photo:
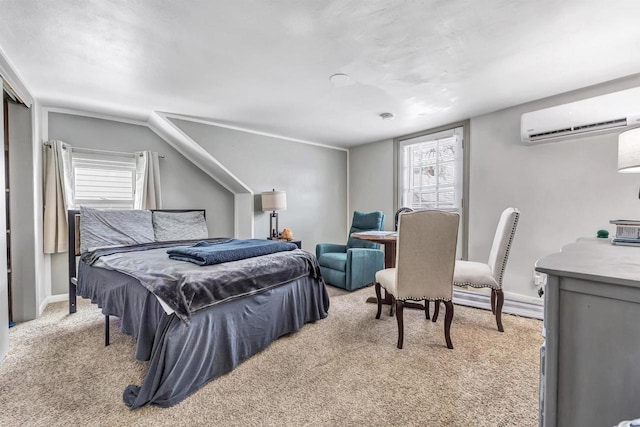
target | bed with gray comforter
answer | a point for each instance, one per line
(220, 314)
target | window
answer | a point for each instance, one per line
(431, 173)
(103, 180)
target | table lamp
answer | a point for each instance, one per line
(629, 151)
(274, 201)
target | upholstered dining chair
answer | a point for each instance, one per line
(354, 265)
(426, 253)
(490, 275)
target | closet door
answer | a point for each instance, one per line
(5, 106)
(4, 291)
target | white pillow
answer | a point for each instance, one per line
(179, 226)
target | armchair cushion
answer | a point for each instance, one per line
(334, 260)
(474, 274)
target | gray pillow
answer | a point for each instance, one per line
(179, 225)
(99, 228)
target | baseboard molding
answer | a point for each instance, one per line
(51, 299)
(512, 304)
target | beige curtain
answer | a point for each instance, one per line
(147, 195)
(57, 195)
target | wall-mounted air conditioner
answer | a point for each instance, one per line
(607, 113)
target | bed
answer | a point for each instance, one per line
(188, 348)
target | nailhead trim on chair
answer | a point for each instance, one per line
(418, 299)
(475, 285)
(506, 254)
(425, 298)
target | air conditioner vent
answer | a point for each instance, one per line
(550, 134)
(592, 127)
(603, 125)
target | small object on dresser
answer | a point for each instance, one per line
(287, 234)
(627, 232)
(602, 234)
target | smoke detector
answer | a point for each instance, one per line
(340, 80)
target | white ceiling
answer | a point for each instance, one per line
(265, 64)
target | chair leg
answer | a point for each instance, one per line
(448, 318)
(392, 305)
(426, 309)
(436, 311)
(493, 301)
(499, 303)
(379, 299)
(399, 318)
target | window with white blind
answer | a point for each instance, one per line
(103, 180)
(431, 173)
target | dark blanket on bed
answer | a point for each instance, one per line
(186, 287)
(210, 253)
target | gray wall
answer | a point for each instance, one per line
(371, 186)
(183, 184)
(564, 190)
(22, 236)
(314, 177)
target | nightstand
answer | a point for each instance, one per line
(298, 243)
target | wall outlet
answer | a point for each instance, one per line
(539, 279)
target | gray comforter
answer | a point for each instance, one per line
(187, 288)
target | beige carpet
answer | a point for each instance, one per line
(343, 370)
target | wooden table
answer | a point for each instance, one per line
(388, 239)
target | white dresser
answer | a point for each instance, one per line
(590, 362)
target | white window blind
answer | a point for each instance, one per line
(103, 180)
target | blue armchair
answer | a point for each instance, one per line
(354, 265)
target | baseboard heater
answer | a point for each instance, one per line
(511, 306)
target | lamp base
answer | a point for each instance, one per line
(274, 230)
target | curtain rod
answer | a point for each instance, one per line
(107, 152)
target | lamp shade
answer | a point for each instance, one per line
(274, 201)
(629, 151)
